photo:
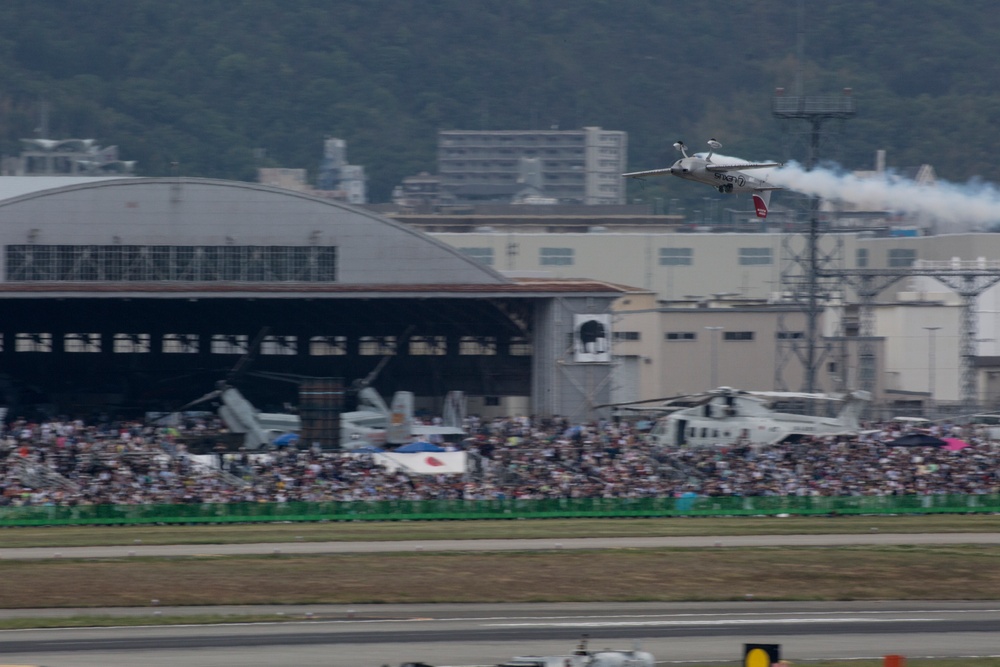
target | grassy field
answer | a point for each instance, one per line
(855, 573)
(431, 530)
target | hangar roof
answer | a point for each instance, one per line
(142, 236)
(18, 186)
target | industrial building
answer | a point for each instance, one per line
(545, 166)
(927, 343)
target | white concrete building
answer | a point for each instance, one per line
(687, 274)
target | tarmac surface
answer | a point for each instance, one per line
(490, 634)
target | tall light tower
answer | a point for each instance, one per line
(816, 111)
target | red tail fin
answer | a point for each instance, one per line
(760, 204)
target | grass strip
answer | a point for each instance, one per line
(963, 572)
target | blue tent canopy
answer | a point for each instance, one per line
(419, 447)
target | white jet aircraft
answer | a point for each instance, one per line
(727, 178)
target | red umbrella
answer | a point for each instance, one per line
(954, 444)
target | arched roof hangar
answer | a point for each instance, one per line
(140, 291)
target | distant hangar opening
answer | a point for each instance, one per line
(133, 295)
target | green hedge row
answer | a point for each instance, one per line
(430, 510)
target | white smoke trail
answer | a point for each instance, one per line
(974, 205)
(959, 207)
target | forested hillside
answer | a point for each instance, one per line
(204, 83)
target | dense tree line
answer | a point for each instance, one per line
(206, 84)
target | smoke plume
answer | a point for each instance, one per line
(954, 207)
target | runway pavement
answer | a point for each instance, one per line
(167, 550)
(489, 634)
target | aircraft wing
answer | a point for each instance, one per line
(740, 167)
(794, 394)
(650, 172)
(437, 430)
(665, 409)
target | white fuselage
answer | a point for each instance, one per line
(694, 169)
(726, 420)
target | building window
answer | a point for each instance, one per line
(125, 343)
(755, 256)
(861, 258)
(680, 335)
(328, 346)
(428, 346)
(82, 342)
(280, 345)
(626, 335)
(230, 344)
(737, 335)
(676, 256)
(477, 345)
(902, 257)
(790, 335)
(372, 346)
(33, 342)
(180, 343)
(156, 263)
(482, 255)
(556, 256)
(520, 347)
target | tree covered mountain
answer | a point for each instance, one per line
(206, 84)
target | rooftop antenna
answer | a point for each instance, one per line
(800, 49)
(43, 120)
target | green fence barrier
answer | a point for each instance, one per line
(437, 510)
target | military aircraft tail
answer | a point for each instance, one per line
(854, 403)
(400, 427)
(454, 409)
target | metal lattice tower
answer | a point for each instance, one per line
(968, 279)
(805, 288)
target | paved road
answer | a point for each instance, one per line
(873, 538)
(488, 634)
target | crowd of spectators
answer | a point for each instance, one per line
(73, 463)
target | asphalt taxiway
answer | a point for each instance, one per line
(489, 634)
